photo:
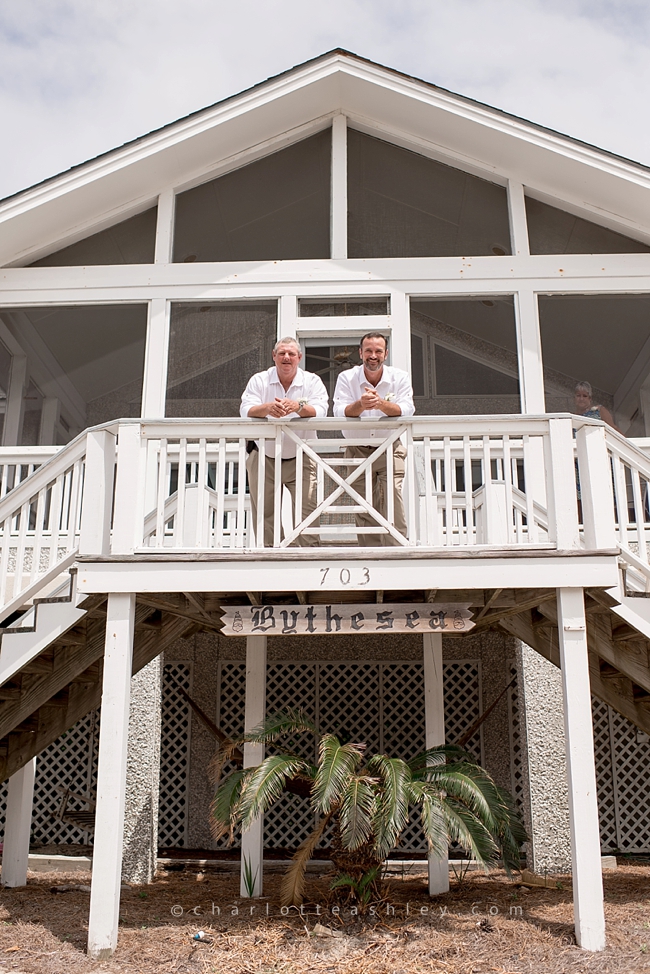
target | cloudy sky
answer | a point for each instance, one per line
(78, 77)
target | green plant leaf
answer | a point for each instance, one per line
(280, 724)
(358, 807)
(392, 806)
(336, 763)
(265, 785)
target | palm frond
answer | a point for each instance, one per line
(434, 824)
(280, 724)
(439, 755)
(469, 832)
(336, 762)
(393, 807)
(356, 811)
(225, 804)
(265, 784)
(293, 883)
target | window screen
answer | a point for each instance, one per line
(401, 204)
(90, 359)
(130, 242)
(213, 351)
(464, 356)
(553, 231)
(603, 340)
(277, 208)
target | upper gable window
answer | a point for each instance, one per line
(401, 204)
(277, 208)
(553, 231)
(130, 242)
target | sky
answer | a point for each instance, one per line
(79, 77)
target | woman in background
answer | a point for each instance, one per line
(584, 406)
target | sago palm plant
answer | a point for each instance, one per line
(368, 801)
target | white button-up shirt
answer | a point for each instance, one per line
(394, 383)
(266, 386)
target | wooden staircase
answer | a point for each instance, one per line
(619, 652)
(52, 682)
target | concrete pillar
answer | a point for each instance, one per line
(434, 733)
(111, 777)
(143, 775)
(18, 825)
(546, 812)
(587, 874)
(252, 842)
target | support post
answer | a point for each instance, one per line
(154, 387)
(252, 840)
(581, 771)
(596, 487)
(49, 419)
(529, 352)
(95, 535)
(15, 405)
(111, 776)
(518, 221)
(18, 825)
(562, 499)
(339, 194)
(165, 227)
(434, 734)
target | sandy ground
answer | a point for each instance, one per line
(484, 924)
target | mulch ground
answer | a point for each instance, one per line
(484, 924)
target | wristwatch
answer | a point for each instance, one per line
(301, 404)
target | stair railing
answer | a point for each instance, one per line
(40, 518)
(630, 481)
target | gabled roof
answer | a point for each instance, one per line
(425, 117)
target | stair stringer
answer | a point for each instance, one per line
(50, 619)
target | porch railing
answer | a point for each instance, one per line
(469, 481)
(551, 481)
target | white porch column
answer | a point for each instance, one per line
(111, 776)
(339, 193)
(18, 825)
(434, 734)
(252, 841)
(581, 771)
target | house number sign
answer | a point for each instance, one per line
(319, 620)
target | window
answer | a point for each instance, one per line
(130, 242)
(277, 208)
(401, 204)
(86, 363)
(213, 351)
(554, 231)
(464, 356)
(603, 340)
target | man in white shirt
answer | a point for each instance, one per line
(284, 392)
(375, 390)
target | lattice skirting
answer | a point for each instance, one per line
(622, 774)
(174, 757)
(71, 762)
(379, 703)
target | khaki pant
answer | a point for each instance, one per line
(380, 493)
(288, 480)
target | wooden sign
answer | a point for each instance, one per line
(321, 620)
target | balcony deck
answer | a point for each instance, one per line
(163, 506)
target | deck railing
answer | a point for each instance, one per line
(551, 481)
(469, 481)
